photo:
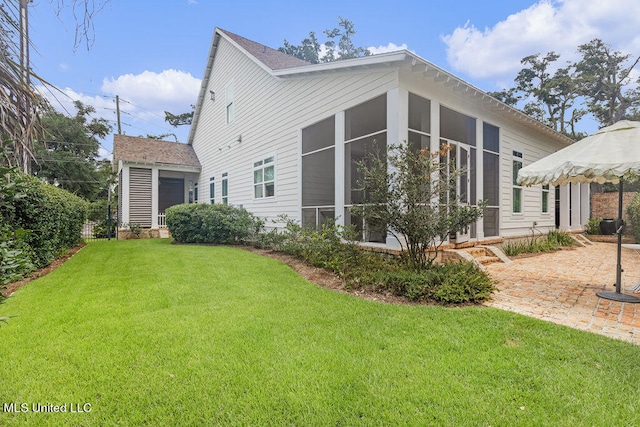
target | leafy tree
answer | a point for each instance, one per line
(600, 83)
(605, 81)
(508, 96)
(68, 155)
(553, 95)
(346, 49)
(339, 45)
(308, 50)
(176, 120)
(412, 194)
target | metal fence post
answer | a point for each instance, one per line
(109, 222)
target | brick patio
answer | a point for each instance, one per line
(561, 287)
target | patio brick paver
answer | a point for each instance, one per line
(561, 287)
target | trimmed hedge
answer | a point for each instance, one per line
(54, 218)
(202, 223)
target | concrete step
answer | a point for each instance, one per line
(488, 259)
(582, 239)
(476, 252)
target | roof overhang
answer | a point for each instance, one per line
(215, 41)
(402, 59)
(161, 166)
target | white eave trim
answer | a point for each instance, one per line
(364, 61)
(162, 166)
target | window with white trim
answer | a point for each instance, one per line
(225, 188)
(517, 189)
(212, 190)
(229, 103)
(545, 198)
(264, 178)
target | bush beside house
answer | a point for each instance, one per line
(38, 224)
(203, 223)
(332, 248)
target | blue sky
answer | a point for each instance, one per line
(153, 53)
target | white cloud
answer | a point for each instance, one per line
(558, 26)
(144, 98)
(170, 90)
(62, 100)
(391, 47)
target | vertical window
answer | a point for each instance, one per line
(491, 179)
(190, 192)
(419, 122)
(318, 173)
(545, 199)
(229, 103)
(517, 189)
(365, 134)
(212, 190)
(225, 189)
(264, 178)
(195, 192)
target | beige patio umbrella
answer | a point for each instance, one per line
(610, 154)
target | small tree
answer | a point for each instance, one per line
(411, 192)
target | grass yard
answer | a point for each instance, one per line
(149, 333)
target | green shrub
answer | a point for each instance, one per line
(98, 214)
(15, 258)
(332, 247)
(134, 228)
(202, 223)
(524, 246)
(553, 241)
(54, 216)
(462, 283)
(633, 213)
(593, 226)
(560, 238)
(454, 283)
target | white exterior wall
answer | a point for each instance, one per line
(269, 114)
(156, 172)
(513, 136)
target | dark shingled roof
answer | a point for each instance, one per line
(146, 150)
(272, 58)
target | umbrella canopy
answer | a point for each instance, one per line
(606, 156)
(610, 154)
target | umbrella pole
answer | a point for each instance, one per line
(619, 228)
(618, 295)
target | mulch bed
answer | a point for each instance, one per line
(12, 287)
(327, 279)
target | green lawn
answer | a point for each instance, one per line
(149, 333)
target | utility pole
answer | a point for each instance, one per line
(118, 114)
(23, 148)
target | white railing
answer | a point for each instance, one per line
(162, 221)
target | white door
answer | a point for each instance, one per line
(463, 162)
(458, 156)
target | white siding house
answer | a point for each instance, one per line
(277, 135)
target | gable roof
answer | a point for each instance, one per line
(273, 59)
(153, 151)
(273, 62)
